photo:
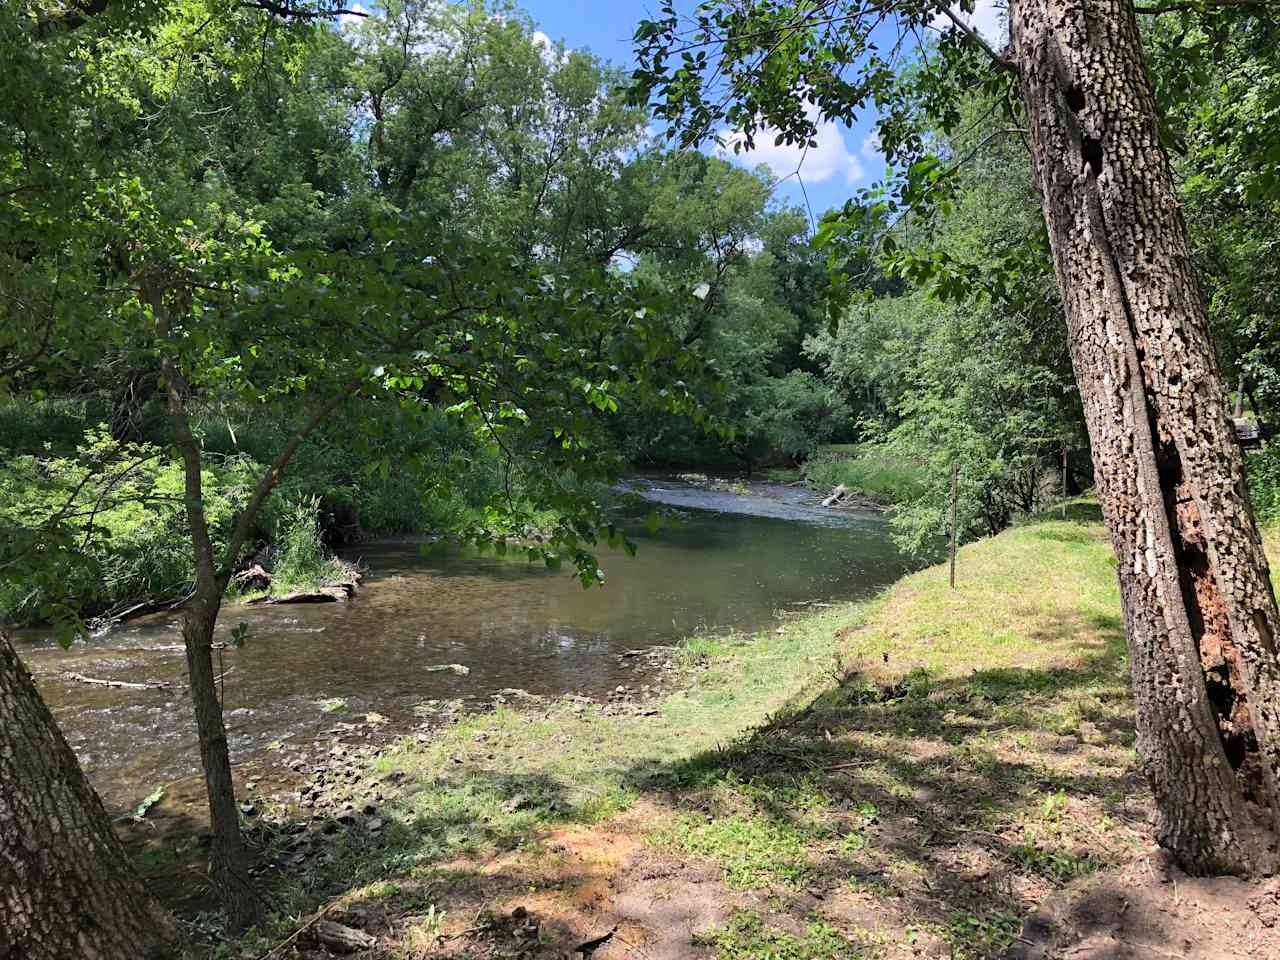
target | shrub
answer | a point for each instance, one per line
(300, 556)
(1264, 482)
(871, 471)
(125, 538)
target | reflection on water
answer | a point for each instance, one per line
(728, 562)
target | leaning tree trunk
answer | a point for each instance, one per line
(1200, 613)
(67, 889)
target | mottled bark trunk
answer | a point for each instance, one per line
(67, 889)
(1200, 613)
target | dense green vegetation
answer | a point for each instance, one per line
(278, 277)
(931, 367)
(133, 524)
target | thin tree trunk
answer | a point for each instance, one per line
(67, 888)
(1200, 613)
(955, 491)
(229, 859)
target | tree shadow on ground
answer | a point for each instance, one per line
(940, 810)
(919, 814)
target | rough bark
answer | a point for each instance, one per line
(67, 889)
(1200, 613)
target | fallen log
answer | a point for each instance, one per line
(122, 684)
(340, 938)
(327, 594)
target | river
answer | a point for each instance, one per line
(726, 561)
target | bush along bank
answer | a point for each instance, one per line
(915, 775)
(122, 499)
(136, 552)
(860, 474)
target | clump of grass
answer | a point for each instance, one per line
(980, 935)
(867, 470)
(301, 561)
(748, 936)
(755, 851)
(301, 557)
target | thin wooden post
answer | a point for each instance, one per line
(955, 489)
(1240, 399)
(1064, 481)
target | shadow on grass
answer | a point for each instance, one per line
(928, 810)
(952, 806)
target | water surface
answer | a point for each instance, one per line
(726, 562)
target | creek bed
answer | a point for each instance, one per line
(729, 561)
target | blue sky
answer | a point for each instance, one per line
(845, 159)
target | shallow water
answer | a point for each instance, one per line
(727, 561)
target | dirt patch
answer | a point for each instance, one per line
(1150, 910)
(580, 885)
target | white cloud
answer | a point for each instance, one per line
(549, 50)
(831, 157)
(989, 18)
(870, 148)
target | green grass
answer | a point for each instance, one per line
(918, 772)
(748, 936)
(865, 469)
(782, 474)
(576, 764)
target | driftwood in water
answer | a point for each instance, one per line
(318, 595)
(100, 626)
(122, 684)
(837, 495)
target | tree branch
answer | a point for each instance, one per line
(273, 474)
(1194, 6)
(287, 11)
(269, 479)
(1001, 62)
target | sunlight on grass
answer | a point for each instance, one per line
(934, 762)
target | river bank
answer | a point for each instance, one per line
(915, 775)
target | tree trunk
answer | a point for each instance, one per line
(228, 858)
(67, 889)
(1200, 614)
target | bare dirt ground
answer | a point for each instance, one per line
(1150, 909)
(602, 892)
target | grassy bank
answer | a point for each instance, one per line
(866, 470)
(914, 773)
